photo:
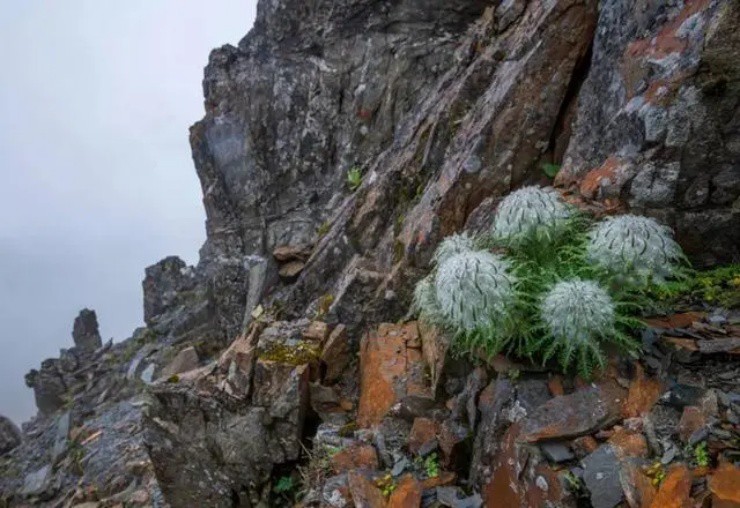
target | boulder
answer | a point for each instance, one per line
(185, 360)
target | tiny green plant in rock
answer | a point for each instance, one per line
(431, 465)
(354, 178)
(551, 170)
(548, 283)
(701, 454)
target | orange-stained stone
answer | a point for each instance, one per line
(382, 366)
(628, 444)
(358, 456)
(639, 490)
(555, 384)
(606, 174)
(680, 320)
(407, 494)
(444, 478)
(584, 445)
(364, 492)
(508, 487)
(675, 490)
(644, 392)
(423, 431)
(725, 486)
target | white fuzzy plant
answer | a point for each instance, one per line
(474, 289)
(530, 214)
(578, 316)
(636, 249)
(452, 245)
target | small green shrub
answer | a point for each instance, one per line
(354, 178)
(558, 287)
(551, 170)
(431, 465)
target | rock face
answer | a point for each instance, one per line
(656, 125)
(10, 435)
(85, 332)
(209, 445)
(428, 163)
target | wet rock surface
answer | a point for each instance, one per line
(341, 142)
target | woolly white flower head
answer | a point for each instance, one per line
(577, 312)
(634, 246)
(474, 289)
(529, 213)
(453, 244)
(425, 299)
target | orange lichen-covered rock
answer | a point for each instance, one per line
(644, 392)
(391, 371)
(725, 486)
(675, 490)
(407, 494)
(358, 456)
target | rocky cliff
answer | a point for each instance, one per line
(342, 140)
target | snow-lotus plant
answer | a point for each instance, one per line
(454, 244)
(474, 290)
(577, 316)
(530, 214)
(636, 249)
(549, 291)
(425, 301)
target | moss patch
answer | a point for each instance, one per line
(301, 353)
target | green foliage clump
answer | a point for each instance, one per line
(719, 286)
(354, 178)
(559, 286)
(431, 465)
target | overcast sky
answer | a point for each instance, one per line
(96, 98)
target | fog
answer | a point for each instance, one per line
(97, 180)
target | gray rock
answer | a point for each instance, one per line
(453, 497)
(556, 452)
(85, 331)
(37, 481)
(60, 440)
(48, 385)
(185, 360)
(209, 448)
(10, 435)
(601, 477)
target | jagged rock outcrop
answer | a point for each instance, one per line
(10, 435)
(85, 331)
(212, 440)
(310, 93)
